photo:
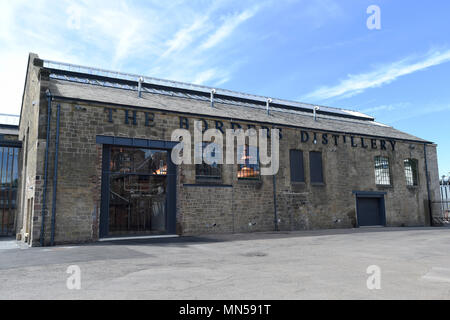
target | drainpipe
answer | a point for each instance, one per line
(275, 202)
(428, 184)
(55, 178)
(44, 191)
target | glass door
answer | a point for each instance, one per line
(137, 191)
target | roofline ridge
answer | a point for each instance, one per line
(68, 67)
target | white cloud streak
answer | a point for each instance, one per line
(227, 28)
(356, 84)
(181, 41)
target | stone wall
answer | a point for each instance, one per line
(31, 163)
(236, 205)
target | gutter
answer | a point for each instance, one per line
(44, 192)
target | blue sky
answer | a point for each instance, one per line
(317, 51)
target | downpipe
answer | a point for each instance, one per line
(428, 184)
(275, 202)
(55, 178)
(44, 192)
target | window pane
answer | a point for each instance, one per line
(10, 165)
(250, 168)
(205, 170)
(15, 168)
(297, 171)
(382, 173)
(135, 160)
(5, 165)
(315, 167)
(411, 172)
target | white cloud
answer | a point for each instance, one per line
(356, 84)
(185, 36)
(206, 76)
(386, 107)
(172, 40)
(229, 25)
(418, 112)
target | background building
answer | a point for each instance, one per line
(9, 154)
(96, 162)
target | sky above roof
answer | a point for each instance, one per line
(319, 51)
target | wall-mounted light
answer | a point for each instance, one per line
(140, 81)
(213, 92)
(268, 102)
(316, 108)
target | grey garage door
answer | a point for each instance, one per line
(369, 212)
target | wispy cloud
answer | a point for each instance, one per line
(228, 26)
(356, 84)
(185, 36)
(418, 112)
(386, 107)
(176, 40)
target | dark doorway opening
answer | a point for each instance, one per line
(370, 209)
(138, 192)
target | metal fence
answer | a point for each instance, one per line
(441, 209)
(445, 192)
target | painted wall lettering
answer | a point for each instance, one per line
(219, 126)
(110, 114)
(133, 117)
(184, 123)
(373, 143)
(336, 139)
(149, 119)
(363, 145)
(304, 136)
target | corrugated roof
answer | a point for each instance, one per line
(89, 75)
(252, 113)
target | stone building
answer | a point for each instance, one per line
(96, 162)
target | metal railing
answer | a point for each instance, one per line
(441, 209)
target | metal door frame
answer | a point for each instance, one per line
(371, 194)
(108, 142)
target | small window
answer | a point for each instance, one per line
(315, 167)
(382, 172)
(411, 172)
(205, 171)
(250, 168)
(297, 171)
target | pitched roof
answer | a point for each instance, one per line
(113, 88)
(256, 113)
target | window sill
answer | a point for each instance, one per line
(298, 183)
(208, 180)
(208, 185)
(318, 184)
(254, 180)
(384, 186)
(412, 187)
